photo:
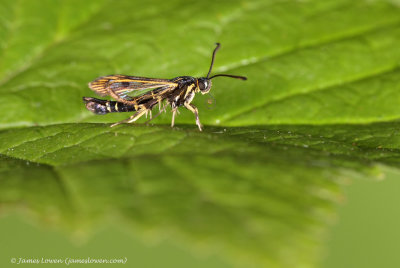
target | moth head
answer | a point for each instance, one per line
(204, 85)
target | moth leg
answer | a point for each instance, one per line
(133, 118)
(148, 112)
(194, 110)
(173, 116)
(151, 118)
(137, 115)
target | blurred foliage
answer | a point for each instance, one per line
(261, 182)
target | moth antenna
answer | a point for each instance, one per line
(212, 59)
(229, 75)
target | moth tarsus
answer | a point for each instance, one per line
(141, 94)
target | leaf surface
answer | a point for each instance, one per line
(261, 183)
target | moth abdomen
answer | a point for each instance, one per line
(98, 106)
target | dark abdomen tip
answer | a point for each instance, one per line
(95, 105)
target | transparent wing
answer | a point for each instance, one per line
(128, 87)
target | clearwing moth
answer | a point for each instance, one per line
(141, 94)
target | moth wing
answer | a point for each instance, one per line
(122, 87)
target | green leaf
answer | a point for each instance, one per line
(277, 184)
(261, 183)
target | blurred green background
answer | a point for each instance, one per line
(296, 167)
(365, 236)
